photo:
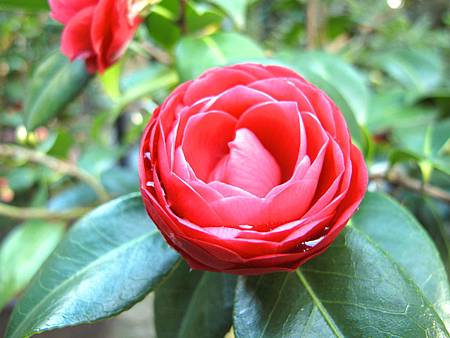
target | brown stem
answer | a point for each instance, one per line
(312, 23)
(157, 53)
(10, 150)
(182, 18)
(40, 213)
(397, 178)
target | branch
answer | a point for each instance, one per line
(55, 164)
(312, 23)
(158, 54)
(182, 19)
(39, 213)
(397, 178)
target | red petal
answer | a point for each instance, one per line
(248, 166)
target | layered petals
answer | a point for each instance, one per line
(97, 31)
(249, 169)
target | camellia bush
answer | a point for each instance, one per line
(266, 168)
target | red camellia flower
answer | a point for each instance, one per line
(96, 30)
(250, 169)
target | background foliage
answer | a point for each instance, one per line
(68, 143)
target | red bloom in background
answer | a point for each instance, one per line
(250, 169)
(95, 30)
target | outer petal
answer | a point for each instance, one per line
(65, 10)
(75, 42)
(112, 30)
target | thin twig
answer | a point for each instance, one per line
(158, 54)
(9, 150)
(182, 23)
(14, 212)
(397, 178)
(312, 23)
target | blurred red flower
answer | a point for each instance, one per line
(97, 31)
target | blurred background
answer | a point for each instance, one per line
(68, 141)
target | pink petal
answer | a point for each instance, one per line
(237, 100)
(206, 139)
(284, 90)
(248, 166)
(214, 82)
(282, 138)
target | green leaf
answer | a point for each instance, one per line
(141, 83)
(145, 81)
(427, 145)
(80, 195)
(389, 111)
(96, 159)
(194, 304)
(21, 179)
(194, 55)
(58, 143)
(108, 261)
(110, 81)
(162, 22)
(382, 277)
(426, 268)
(236, 9)
(55, 84)
(29, 5)
(23, 252)
(419, 71)
(120, 181)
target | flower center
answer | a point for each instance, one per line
(248, 165)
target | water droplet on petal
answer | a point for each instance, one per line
(150, 184)
(291, 83)
(246, 227)
(313, 243)
(147, 155)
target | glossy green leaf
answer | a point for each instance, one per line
(29, 5)
(23, 252)
(382, 277)
(54, 85)
(194, 55)
(108, 261)
(426, 268)
(194, 304)
(341, 81)
(236, 9)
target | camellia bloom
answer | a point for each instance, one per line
(96, 30)
(250, 169)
